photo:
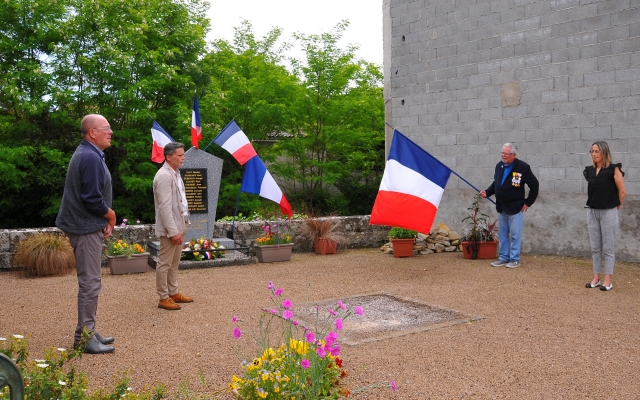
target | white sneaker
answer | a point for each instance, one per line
(513, 264)
(499, 263)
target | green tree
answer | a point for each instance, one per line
(338, 124)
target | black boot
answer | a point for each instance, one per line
(103, 339)
(95, 347)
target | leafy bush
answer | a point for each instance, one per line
(402, 233)
(54, 378)
(45, 254)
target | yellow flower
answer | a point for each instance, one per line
(298, 346)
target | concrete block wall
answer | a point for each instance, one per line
(577, 64)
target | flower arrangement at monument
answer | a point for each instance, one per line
(124, 247)
(202, 249)
(305, 365)
(275, 233)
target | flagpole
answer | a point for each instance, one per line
(441, 163)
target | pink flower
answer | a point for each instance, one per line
(341, 305)
(124, 221)
(270, 285)
(278, 292)
(294, 323)
(335, 350)
(138, 221)
(321, 352)
(330, 338)
(287, 314)
(305, 364)
(266, 228)
(123, 224)
(358, 310)
(339, 324)
(332, 312)
(235, 319)
(237, 333)
(274, 311)
(310, 337)
(286, 303)
(393, 385)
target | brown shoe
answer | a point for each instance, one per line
(168, 304)
(180, 298)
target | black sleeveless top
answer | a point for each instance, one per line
(602, 192)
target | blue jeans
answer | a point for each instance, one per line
(510, 236)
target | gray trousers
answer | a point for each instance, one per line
(88, 252)
(602, 230)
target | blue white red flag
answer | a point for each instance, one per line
(257, 179)
(196, 127)
(412, 186)
(233, 140)
(160, 139)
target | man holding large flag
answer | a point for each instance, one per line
(257, 179)
(412, 187)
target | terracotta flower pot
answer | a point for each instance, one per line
(486, 250)
(124, 265)
(403, 247)
(275, 252)
(325, 246)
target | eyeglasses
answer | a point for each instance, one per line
(506, 154)
(107, 128)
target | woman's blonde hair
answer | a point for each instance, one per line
(606, 153)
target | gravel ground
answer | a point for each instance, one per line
(543, 335)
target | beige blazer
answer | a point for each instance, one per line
(166, 196)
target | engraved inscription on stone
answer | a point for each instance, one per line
(195, 186)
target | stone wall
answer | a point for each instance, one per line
(355, 229)
(462, 77)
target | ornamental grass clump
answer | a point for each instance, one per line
(45, 254)
(302, 363)
(124, 247)
(56, 376)
(315, 227)
(275, 232)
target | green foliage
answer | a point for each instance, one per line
(56, 376)
(402, 233)
(138, 60)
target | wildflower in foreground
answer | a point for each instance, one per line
(305, 364)
(286, 303)
(237, 333)
(393, 385)
(287, 314)
(358, 310)
(310, 337)
(339, 324)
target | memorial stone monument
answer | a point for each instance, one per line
(201, 173)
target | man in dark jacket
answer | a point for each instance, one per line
(509, 179)
(86, 217)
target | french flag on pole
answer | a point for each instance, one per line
(257, 179)
(196, 127)
(233, 140)
(411, 189)
(160, 139)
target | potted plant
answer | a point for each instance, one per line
(479, 241)
(124, 256)
(45, 254)
(322, 233)
(275, 244)
(402, 240)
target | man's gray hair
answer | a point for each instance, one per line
(514, 149)
(171, 148)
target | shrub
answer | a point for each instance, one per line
(45, 254)
(402, 233)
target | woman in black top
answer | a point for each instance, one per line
(606, 194)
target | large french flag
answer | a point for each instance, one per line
(196, 127)
(160, 139)
(233, 140)
(411, 189)
(257, 179)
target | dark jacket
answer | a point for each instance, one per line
(87, 193)
(510, 195)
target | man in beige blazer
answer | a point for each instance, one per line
(172, 217)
